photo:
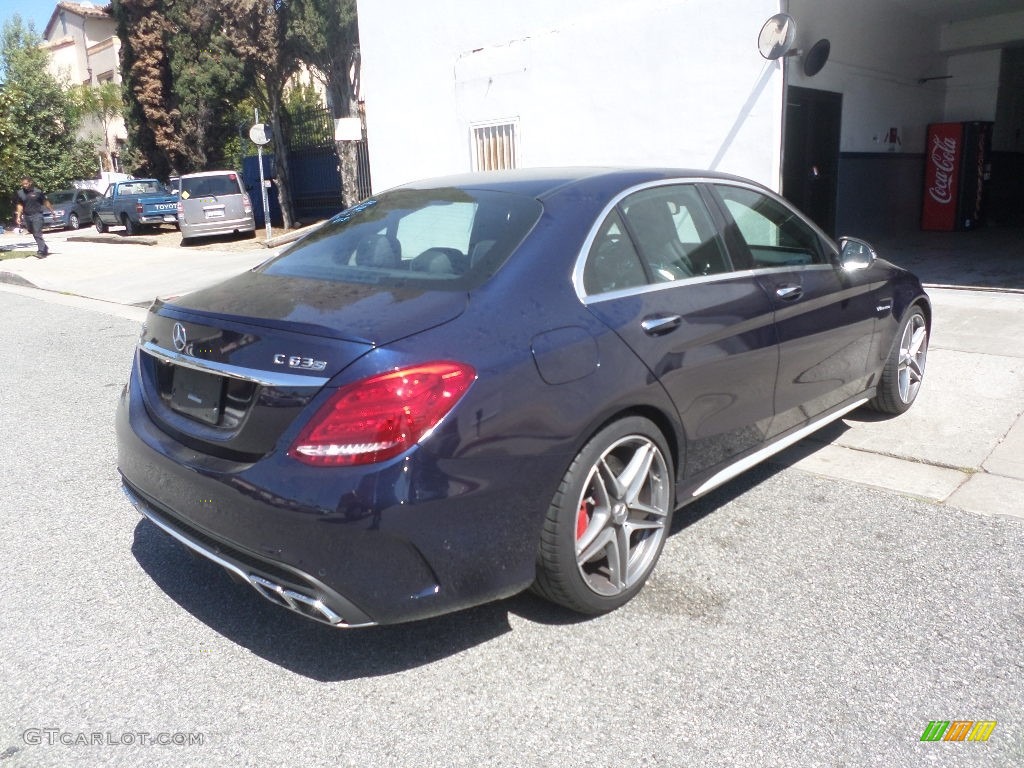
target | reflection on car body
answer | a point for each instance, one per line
(524, 375)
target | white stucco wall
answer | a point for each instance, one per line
(651, 82)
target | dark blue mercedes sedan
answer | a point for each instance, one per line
(468, 386)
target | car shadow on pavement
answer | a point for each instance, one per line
(297, 644)
(319, 652)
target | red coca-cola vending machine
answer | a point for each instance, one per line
(956, 168)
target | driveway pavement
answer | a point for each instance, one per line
(962, 443)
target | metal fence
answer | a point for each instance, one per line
(313, 160)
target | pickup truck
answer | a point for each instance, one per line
(135, 203)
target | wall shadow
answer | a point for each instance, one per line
(988, 257)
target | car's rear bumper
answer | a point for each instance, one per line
(399, 541)
(216, 227)
(288, 587)
(159, 218)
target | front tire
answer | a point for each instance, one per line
(98, 223)
(904, 370)
(73, 222)
(608, 520)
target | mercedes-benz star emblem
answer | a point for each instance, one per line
(179, 337)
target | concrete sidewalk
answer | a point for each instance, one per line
(961, 444)
(120, 269)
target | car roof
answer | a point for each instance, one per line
(545, 182)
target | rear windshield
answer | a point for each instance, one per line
(447, 239)
(141, 188)
(210, 186)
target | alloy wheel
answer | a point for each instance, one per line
(913, 354)
(622, 514)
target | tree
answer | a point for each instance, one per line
(104, 103)
(208, 78)
(327, 39)
(38, 118)
(260, 34)
(143, 29)
(182, 77)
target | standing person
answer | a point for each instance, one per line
(29, 213)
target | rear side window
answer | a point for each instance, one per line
(613, 263)
(210, 186)
(446, 239)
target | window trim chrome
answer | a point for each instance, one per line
(262, 378)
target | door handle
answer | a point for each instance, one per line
(789, 291)
(656, 325)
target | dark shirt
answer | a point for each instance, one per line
(32, 200)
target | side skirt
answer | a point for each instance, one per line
(741, 466)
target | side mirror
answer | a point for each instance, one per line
(855, 253)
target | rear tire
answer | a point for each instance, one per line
(904, 370)
(130, 227)
(608, 520)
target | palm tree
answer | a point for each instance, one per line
(105, 104)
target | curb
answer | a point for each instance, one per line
(16, 279)
(295, 234)
(113, 239)
(977, 288)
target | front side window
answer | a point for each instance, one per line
(447, 239)
(775, 235)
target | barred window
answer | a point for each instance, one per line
(495, 146)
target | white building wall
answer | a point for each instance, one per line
(652, 82)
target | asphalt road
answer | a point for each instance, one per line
(793, 621)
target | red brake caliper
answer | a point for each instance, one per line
(582, 520)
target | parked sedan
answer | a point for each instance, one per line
(465, 387)
(70, 208)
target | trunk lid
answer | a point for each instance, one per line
(227, 369)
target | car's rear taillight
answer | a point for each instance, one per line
(138, 208)
(381, 416)
(246, 203)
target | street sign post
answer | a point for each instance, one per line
(260, 134)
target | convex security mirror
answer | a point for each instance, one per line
(855, 253)
(776, 38)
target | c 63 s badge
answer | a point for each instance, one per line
(301, 363)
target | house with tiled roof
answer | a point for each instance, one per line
(84, 49)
